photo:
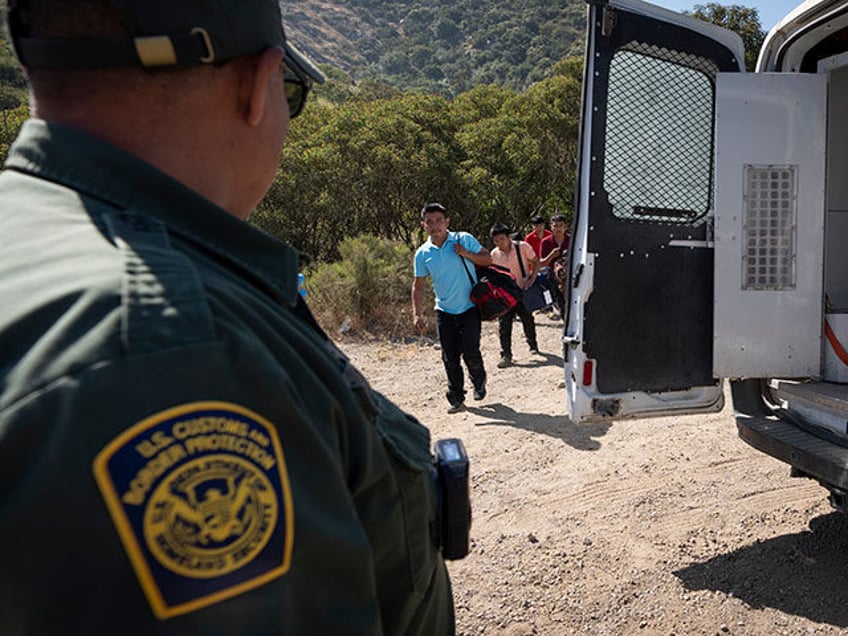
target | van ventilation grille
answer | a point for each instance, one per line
(771, 214)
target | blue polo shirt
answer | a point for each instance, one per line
(447, 271)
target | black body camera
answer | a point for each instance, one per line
(454, 522)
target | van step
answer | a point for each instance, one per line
(828, 395)
(807, 452)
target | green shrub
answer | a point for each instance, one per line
(367, 292)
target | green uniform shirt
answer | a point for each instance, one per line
(181, 450)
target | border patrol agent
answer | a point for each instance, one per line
(182, 450)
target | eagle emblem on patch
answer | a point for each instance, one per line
(201, 499)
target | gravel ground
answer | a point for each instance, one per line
(670, 526)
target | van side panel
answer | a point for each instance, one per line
(770, 180)
(836, 265)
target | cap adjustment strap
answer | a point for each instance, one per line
(158, 50)
(210, 55)
(155, 50)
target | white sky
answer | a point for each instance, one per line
(770, 11)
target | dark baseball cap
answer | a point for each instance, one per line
(166, 34)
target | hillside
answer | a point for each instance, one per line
(445, 46)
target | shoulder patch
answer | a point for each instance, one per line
(201, 499)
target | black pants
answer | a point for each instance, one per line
(556, 292)
(459, 335)
(505, 329)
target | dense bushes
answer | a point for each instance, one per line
(367, 291)
(366, 166)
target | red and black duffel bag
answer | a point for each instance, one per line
(496, 291)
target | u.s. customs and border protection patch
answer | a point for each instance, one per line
(201, 499)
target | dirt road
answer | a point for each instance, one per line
(671, 526)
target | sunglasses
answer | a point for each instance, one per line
(297, 89)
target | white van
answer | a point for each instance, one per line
(710, 238)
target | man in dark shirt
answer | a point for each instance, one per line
(554, 251)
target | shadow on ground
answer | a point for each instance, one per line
(540, 359)
(557, 426)
(804, 574)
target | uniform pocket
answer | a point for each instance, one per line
(407, 443)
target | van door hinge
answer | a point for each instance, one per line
(609, 21)
(577, 275)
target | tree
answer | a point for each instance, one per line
(520, 148)
(742, 20)
(12, 122)
(367, 166)
(362, 167)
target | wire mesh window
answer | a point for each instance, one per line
(771, 213)
(659, 135)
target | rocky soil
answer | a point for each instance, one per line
(671, 526)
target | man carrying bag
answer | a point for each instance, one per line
(457, 318)
(507, 254)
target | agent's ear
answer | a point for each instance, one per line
(259, 83)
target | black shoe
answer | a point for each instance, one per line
(456, 408)
(505, 361)
(479, 393)
(455, 401)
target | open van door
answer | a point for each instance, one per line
(639, 326)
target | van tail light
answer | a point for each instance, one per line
(588, 368)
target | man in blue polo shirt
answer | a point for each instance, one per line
(448, 258)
